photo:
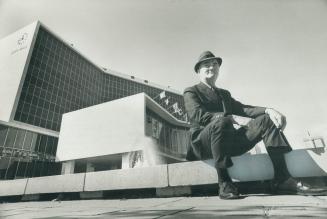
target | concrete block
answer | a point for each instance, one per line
(173, 191)
(249, 167)
(56, 184)
(307, 163)
(12, 187)
(91, 195)
(135, 178)
(191, 173)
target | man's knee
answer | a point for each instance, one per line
(265, 121)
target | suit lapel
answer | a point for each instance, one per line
(208, 95)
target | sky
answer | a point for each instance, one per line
(274, 51)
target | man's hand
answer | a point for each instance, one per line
(233, 120)
(278, 119)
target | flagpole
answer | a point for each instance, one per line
(156, 96)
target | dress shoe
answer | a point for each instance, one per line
(227, 190)
(294, 187)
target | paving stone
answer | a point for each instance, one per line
(256, 206)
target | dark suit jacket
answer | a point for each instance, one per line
(203, 105)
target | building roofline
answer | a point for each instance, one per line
(110, 71)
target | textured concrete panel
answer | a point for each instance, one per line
(12, 187)
(191, 173)
(145, 177)
(54, 184)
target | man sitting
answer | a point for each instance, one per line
(211, 109)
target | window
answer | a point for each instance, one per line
(3, 134)
(11, 137)
(20, 139)
(28, 141)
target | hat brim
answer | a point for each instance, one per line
(196, 67)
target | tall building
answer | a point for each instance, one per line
(44, 77)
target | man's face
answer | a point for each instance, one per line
(208, 71)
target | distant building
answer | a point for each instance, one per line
(43, 77)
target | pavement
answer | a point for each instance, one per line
(252, 206)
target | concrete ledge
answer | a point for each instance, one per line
(136, 178)
(55, 184)
(301, 163)
(246, 168)
(12, 187)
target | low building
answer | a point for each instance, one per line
(145, 135)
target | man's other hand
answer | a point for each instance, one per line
(278, 119)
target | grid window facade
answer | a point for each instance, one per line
(26, 154)
(59, 80)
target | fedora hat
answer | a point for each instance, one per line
(206, 55)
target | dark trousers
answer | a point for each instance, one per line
(222, 141)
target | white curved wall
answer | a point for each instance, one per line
(14, 54)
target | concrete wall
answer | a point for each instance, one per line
(14, 54)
